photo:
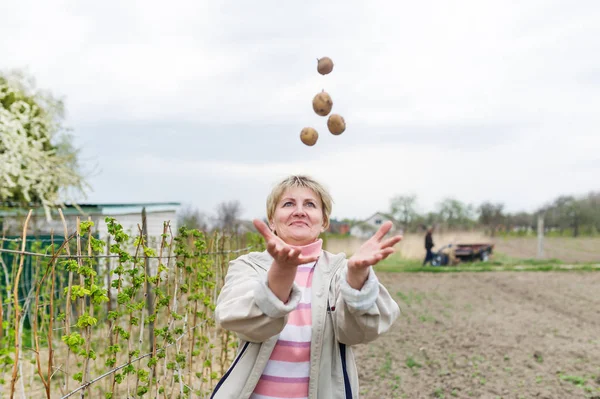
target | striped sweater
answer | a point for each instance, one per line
(287, 372)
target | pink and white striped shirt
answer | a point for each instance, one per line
(288, 369)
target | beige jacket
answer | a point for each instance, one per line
(341, 317)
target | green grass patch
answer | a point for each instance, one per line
(573, 379)
(397, 264)
(411, 363)
(538, 262)
(411, 297)
(386, 367)
(426, 317)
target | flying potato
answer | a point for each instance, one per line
(309, 136)
(322, 103)
(336, 124)
(324, 65)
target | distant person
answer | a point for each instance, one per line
(428, 245)
(298, 309)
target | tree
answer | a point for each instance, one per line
(38, 163)
(455, 213)
(590, 212)
(192, 218)
(228, 215)
(403, 209)
(490, 215)
(568, 211)
(520, 221)
(430, 219)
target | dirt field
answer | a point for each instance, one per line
(582, 249)
(488, 335)
(411, 246)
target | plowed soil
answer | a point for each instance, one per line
(488, 335)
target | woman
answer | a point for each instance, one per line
(296, 308)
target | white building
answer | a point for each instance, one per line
(40, 229)
(368, 227)
(128, 215)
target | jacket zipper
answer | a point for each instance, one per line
(222, 380)
(342, 347)
(347, 386)
(324, 319)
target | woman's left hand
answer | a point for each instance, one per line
(369, 254)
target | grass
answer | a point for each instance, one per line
(412, 363)
(426, 318)
(499, 262)
(411, 297)
(395, 384)
(386, 367)
(539, 379)
(575, 380)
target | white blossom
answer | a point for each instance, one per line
(30, 165)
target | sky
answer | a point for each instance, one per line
(203, 102)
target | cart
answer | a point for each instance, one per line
(473, 252)
(462, 253)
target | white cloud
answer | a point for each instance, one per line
(363, 179)
(479, 100)
(434, 62)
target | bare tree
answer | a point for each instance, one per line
(455, 213)
(519, 221)
(490, 215)
(192, 218)
(403, 209)
(228, 215)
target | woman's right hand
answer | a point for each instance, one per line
(284, 255)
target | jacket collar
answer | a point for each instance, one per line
(312, 249)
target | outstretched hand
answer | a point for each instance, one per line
(374, 249)
(369, 254)
(283, 254)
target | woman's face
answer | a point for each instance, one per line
(298, 217)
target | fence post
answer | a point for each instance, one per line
(149, 295)
(540, 236)
(109, 284)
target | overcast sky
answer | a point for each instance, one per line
(202, 102)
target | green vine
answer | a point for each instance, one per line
(138, 317)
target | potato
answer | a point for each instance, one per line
(322, 103)
(336, 124)
(309, 136)
(324, 65)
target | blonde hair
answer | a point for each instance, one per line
(302, 182)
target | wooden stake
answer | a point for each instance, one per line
(15, 376)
